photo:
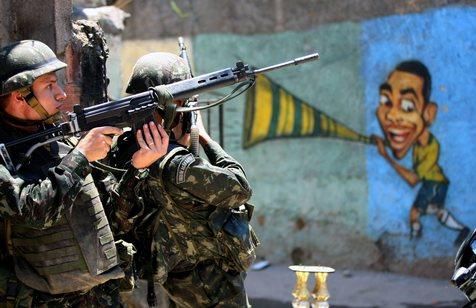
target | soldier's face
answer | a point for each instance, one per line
(48, 92)
(400, 112)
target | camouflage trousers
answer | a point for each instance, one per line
(105, 295)
(206, 285)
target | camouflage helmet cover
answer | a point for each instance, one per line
(157, 68)
(24, 61)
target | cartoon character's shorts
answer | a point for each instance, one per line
(431, 192)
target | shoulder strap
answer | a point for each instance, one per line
(167, 158)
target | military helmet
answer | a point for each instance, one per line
(157, 68)
(24, 61)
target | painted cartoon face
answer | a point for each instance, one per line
(400, 112)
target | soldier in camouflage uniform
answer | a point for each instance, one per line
(62, 247)
(195, 209)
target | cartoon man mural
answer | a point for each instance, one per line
(405, 114)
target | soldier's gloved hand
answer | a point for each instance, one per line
(153, 143)
(96, 143)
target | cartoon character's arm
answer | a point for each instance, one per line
(408, 175)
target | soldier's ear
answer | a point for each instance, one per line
(429, 113)
(17, 97)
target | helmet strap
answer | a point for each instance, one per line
(33, 102)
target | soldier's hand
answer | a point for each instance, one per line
(97, 142)
(153, 143)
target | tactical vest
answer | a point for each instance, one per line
(77, 253)
(183, 234)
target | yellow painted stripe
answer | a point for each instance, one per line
(263, 108)
(290, 115)
(324, 124)
(307, 125)
(332, 127)
(283, 113)
(311, 122)
(304, 119)
(345, 133)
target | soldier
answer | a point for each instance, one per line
(201, 242)
(63, 249)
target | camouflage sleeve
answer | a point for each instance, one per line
(220, 182)
(40, 204)
(125, 203)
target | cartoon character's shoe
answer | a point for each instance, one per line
(463, 234)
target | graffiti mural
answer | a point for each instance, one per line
(293, 130)
(405, 114)
(272, 112)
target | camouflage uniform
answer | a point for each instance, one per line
(63, 249)
(40, 197)
(201, 242)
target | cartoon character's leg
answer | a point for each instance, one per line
(415, 224)
(437, 203)
(448, 220)
(419, 208)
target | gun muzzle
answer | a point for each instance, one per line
(307, 58)
(297, 61)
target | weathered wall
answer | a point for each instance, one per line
(442, 39)
(330, 201)
(159, 19)
(55, 30)
(310, 194)
(20, 20)
(4, 22)
(337, 202)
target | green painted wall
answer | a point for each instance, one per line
(310, 194)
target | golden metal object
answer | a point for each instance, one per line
(300, 292)
(320, 293)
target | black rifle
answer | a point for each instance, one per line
(137, 109)
(189, 124)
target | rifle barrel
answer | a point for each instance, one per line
(297, 61)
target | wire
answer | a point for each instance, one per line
(236, 92)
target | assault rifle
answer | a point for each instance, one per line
(190, 118)
(137, 109)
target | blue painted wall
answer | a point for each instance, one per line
(340, 202)
(444, 40)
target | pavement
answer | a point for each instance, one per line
(272, 287)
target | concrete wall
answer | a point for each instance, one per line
(442, 40)
(54, 31)
(19, 20)
(159, 19)
(310, 194)
(340, 203)
(4, 22)
(333, 202)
